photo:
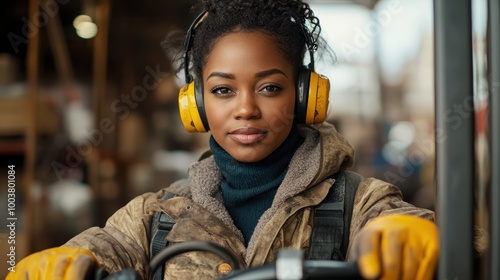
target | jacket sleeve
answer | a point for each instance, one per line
(375, 198)
(124, 241)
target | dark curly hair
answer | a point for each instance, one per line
(290, 22)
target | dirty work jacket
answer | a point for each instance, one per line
(200, 214)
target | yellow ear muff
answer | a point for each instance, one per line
(322, 98)
(317, 104)
(311, 101)
(188, 110)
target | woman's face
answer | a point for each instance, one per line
(249, 94)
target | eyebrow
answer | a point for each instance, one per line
(221, 75)
(269, 72)
(260, 74)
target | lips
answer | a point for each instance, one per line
(247, 135)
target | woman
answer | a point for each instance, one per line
(268, 168)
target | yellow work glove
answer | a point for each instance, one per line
(397, 247)
(58, 263)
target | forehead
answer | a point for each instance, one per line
(246, 49)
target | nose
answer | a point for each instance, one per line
(246, 105)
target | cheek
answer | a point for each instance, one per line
(214, 113)
(280, 122)
(282, 113)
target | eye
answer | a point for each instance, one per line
(222, 91)
(271, 89)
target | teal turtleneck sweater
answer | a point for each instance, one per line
(248, 189)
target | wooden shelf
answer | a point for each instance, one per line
(10, 147)
(14, 114)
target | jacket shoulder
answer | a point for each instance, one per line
(179, 188)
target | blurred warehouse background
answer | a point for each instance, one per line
(88, 104)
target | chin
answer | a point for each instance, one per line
(248, 157)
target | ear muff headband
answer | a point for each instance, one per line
(191, 105)
(313, 89)
(188, 41)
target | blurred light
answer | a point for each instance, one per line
(400, 137)
(84, 26)
(403, 132)
(81, 18)
(86, 30)
(394, 152)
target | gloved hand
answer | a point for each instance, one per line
(397, 247)
(58, 263)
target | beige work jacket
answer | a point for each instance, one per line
(199, 212)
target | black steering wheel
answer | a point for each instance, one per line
(289, 265)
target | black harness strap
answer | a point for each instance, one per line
(161, 225)
(352, 180)
(332, 219)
